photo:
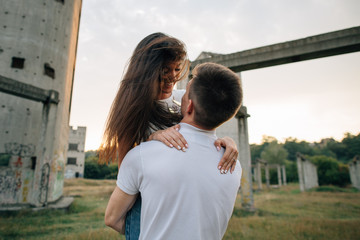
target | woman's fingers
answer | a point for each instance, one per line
(229, 163)
(228, 160)
(172, 138)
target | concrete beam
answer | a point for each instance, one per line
(318, 46)
(28, 91)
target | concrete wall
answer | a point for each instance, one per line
(307, 171)
(38, 44)
(354, 168)
(76, 153)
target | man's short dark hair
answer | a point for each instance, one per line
(217, 94)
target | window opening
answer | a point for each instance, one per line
(17, 62)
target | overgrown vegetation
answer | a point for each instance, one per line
(330, 156)
(327, 213)
(94, 170)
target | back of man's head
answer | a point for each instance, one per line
(217, 94)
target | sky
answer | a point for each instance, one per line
(308, 100)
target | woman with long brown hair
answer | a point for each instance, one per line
(147, 107)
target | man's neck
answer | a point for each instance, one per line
(191, 122)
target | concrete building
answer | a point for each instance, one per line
(38, 43)
(76, 153)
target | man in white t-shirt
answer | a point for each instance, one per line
(183, 194)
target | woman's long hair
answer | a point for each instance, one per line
(135, 109)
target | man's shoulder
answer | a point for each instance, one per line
(152, 145)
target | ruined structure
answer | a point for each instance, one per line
(307, 171)
(354, 169)
(319, 46)
(38, 44)
(75, 163)
(259, 164)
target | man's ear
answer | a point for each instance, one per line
(190, 107)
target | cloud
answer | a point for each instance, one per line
(110, 30)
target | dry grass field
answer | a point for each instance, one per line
(283, 213)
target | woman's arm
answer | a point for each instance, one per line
(172, 138)
(228, 161)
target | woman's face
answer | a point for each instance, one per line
(170, 76)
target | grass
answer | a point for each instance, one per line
(84, 219)
(284, 213)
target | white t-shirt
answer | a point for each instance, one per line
(173, 103)
(184, 196)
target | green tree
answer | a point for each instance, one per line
(92, 168)
(293, 146)
(91, 153)
(291, 171)
(330, 171)
(274, 153)
(256, 151)
(95, 170)
(338, 148)
(352, 144)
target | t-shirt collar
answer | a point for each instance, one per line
(188, 127)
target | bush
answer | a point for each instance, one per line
(94, 170)
(291, 171)
(330, 171)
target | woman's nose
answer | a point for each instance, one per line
(172, 73)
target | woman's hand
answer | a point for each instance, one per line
(228, 161)
(170, 137)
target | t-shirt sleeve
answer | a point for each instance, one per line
(130, 172)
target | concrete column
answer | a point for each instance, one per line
(279, 175)
(307, 171)
(354, 169)
(41, 193)
(284, 174)
(254, 173)
(300, 172)
(258, 175)
(247, 199)
(267, 176)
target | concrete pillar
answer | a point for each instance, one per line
(354, 169)
(258, 175)
(254, 173)
(300, 172)
(307, 172)
(279, 175)
(247, 199)
(267, 175)
(284, 174)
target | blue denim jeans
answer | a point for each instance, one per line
(132, 221)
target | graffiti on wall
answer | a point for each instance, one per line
(16, 179)
(21, 150)
(58, 169)
(44, 183)
(7, 185)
